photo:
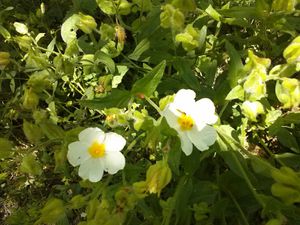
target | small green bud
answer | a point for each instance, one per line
(287, 6)
(124, 7)
(255, 86)
(252, 109)
(171, 17)
(274, 222)
(292, 52)
(288, 194)
(189, 38)
(24, 42)
(4, 59)
(78, 201)
(31, 99)
(286, 176)
(86, 23)
(288, 92)
(163, 102)
(158, 176)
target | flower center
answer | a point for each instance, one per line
(186, 122)
(97, 150)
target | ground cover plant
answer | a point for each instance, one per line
(149, 112)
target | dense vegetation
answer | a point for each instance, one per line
(69, 66)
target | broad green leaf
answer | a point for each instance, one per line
(5, 148)
(236, 93)
(185, 72)
(174, 156)
(117, 98)
(289, 118)
(287, 139)
(213, 13)
(235, 64)
(106, 60)
(147, 85)
(30, 165)
(182, 195)
(32, 132)
(51, 130)
(52, 212)
(236, 162)
(261, 166)
(4, 32)
(142, 47)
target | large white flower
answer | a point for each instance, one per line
(191, 119)
(96, 152)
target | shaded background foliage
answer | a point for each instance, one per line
(51, 89)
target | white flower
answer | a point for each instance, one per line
(191, 119)
(96, 152)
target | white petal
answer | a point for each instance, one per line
(171, 115)
(91, 169)
(91, 134)
(204, 138)
(77, 153)
(204, 110)
(114, 142)
(184, 100)
(114, 161)
(186, 144)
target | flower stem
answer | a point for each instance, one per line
(153, 104)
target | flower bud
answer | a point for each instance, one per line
(4, 59)
(292, 52)
(288, 92)
(31, 99)
(158, 176)
(286, 176)
(252, 109)
(171, 17)
(86, 23)
(288, 194)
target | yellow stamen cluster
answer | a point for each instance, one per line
(97, 150)
(186, 122)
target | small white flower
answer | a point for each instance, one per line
(96, 152)
(191, 119)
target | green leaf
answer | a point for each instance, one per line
(52, 131)
(174, 156)
(185, 72)
(147, 85)
(142, 47)
(236, 93)
(52, 212)
(235, 161)
(106, 60)
(4, 32)
(117, 98)
(30, 165)
(287, 139)
(5, 148)
(289, 118)
(235, 64)
(213, 13)
(32, 132)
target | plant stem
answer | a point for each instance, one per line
(153, 104)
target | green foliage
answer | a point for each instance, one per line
(116, 65)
